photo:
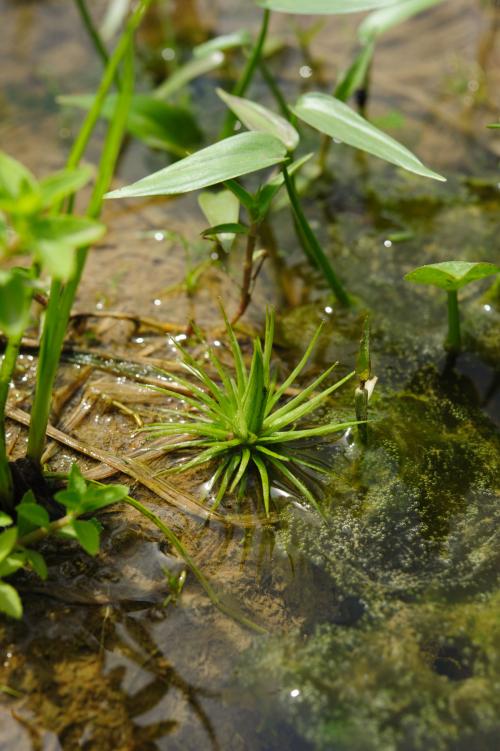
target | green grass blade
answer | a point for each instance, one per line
(245, 458)
(297, 400)
(310, 406)
(296, 435)
(264, 479)
(298, 484)
(295, 372)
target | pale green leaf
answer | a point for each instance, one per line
(451, 275)
(5, 519)
(10, 602)
(240, 38)
(382, 20)
(232, 157)
(323, 7)
(338, 120)
(255, 116)
(198, 66)
(221, 207)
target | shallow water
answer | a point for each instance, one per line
(384, 620)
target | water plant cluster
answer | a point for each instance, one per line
(233, 417)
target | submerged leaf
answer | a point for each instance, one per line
(232, 157)
(337, 120)
(451, 275)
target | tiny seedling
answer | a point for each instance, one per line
(244, 421)
(366, 382)
(452, 276)
(33, 525)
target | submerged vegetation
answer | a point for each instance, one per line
(360, 531)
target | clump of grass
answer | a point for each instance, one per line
(244, 422)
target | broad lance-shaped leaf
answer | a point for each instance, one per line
(323, 7)
(221, 207)
(451, 275)
(382, 20)
(257, 117)
(338, 120)
(232, 157)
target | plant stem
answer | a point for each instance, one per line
(39, 534)
(92, 31)
(62, 298)
(6, 372)
(247, 274)
(247, 75)
(275, 90)
(315, 248)
(176, 543)
(453, 342)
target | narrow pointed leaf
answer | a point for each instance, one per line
(337, 120)
(230, 158)
(324, 7)
(264, 478)
(222, 43)
(382, 20)
(196, 67)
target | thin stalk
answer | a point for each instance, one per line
(62, 298)
(453, 342)
(176, 543)
(275, 90)
(246, 284)
(315, 248)
(247, 75)
(92, 31)
(42, 532)
(6, 372)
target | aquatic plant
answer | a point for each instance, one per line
(366, 382)
(31, 225)
(245, 419)
(451, 276)
(34, 524)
